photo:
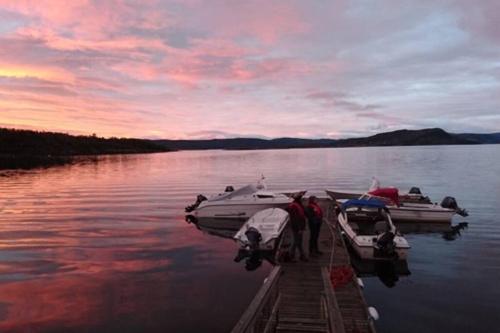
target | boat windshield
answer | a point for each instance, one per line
(245, 190)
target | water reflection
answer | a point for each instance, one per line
(448, 231)
(388, 271)
(102, 246)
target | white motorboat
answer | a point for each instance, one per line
(414, 195)
(368, 227)
(263, 230)
(260, 236)
(241, 203)
(418, 212)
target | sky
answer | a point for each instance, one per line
(197, 69)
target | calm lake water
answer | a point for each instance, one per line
(102, 245)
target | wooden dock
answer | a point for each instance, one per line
(299, 296)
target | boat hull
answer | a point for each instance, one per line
(413, 212)
(241, 211)
(370, 253)
(409, 214)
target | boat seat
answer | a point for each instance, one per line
(380, 227)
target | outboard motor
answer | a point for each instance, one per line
(254, 237)
(199, 199)
(415, 190)
(451, 203)
(191, 219)
(242, 254)
(385, 243)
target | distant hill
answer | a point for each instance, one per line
(246, 143)
(481, 138)
(23, 142)
(430, 136)
(27, 149)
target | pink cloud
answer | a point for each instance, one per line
(195, 69)
(90, 19)
(122, 68)
(481, 21)
(266, 20)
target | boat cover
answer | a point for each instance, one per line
(390, 193)
(374, 203)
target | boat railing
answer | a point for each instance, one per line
(331, 307)
(330, 216)
(261, 314)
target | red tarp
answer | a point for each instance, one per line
(389, 193)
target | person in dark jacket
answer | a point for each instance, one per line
(314, 215)
(298, 224)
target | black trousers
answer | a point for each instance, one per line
(297, 243)
(314, 229)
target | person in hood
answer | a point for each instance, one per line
(314, 215)
(298, 224)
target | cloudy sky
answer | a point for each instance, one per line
(198, 69)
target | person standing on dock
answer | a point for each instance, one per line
(298, 224)
(314, 215)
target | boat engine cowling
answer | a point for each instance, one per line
(254, 237)
(385, 243)
(451, 203)
(199, 199)
(415, 190)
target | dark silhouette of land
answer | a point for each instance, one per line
(26, 149)
(430, 136)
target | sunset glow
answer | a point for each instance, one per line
(203, 69)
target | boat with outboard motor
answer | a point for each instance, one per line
(403, 209)
(241, 203)
(262, 231)
(260, 236)
(416, 212)
(368, 227)
(414, 195)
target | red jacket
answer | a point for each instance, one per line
(297, 216)
(314, 213)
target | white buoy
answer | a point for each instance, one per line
(373, 313)
(360, 283)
